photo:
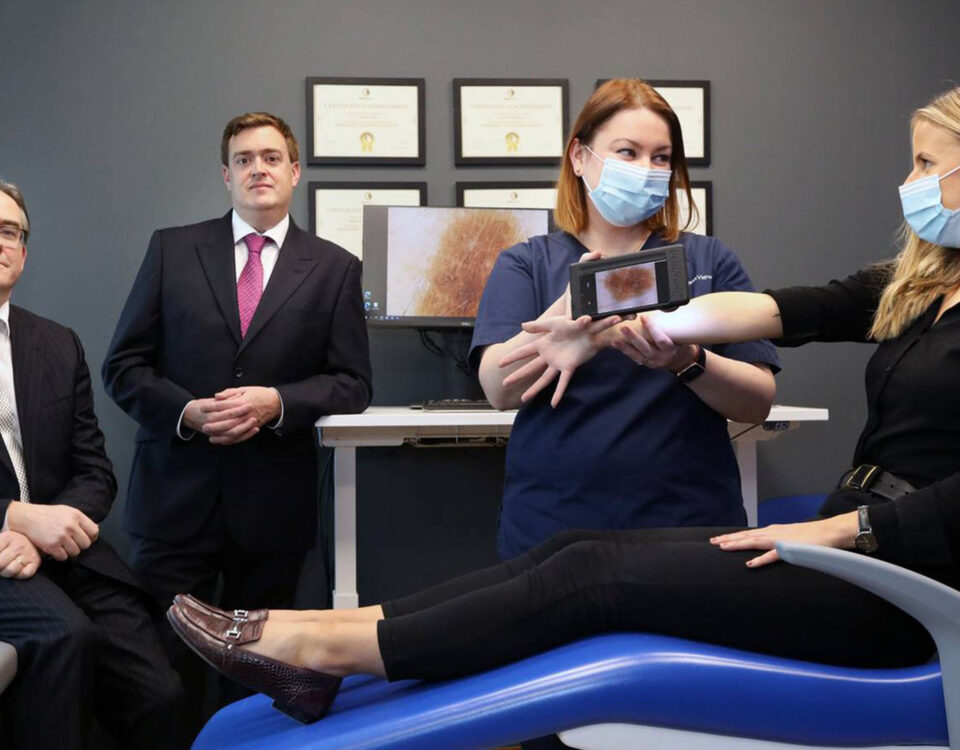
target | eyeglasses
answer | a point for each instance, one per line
(11, 236)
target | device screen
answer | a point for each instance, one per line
(631, 286)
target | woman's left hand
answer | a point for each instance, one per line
(562, 345)
(838, 531)
(645, 343)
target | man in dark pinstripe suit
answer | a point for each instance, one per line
(84, 638)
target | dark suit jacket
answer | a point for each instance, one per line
(178, 338)
(62, 444)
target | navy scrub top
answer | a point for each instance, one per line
(628, 446)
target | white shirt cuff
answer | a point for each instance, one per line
(180, 433)
(279, 423)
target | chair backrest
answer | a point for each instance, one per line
(934, 605)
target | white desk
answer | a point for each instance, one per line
(396, 425)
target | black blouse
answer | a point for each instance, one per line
(913, 414)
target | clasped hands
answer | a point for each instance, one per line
(234, 414)
(60, 531)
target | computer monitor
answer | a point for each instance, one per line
(426, 267)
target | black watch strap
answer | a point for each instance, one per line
(866, 540)
(695, 369)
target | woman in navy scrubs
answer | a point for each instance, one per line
(900, 502)
(630, 446)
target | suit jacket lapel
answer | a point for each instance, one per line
(217, 258)
(27, 375)
(294, 264)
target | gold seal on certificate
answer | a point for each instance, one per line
(507, 194)
(503, 122)
(365, 121)
(336, 208)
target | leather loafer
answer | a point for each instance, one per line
(240, 615)
(304, 694)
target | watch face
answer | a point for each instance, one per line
(692, 372)
(866, 542)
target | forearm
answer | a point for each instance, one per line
(153, 401)
(739, 391)
(720, 318)
(307, 400)
(492, 375)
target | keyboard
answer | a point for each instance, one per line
(454, 404)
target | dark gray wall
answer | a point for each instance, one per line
(112, 112)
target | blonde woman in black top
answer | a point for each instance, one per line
(715, 585)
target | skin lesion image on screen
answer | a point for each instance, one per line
(622, 288)
(438, 259)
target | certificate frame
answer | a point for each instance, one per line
(466, 142)
(705, 206)
(696, 141)
(696, 138)
(519, 186)
(315, 187)
(314, 158)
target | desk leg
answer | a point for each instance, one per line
(345, 528)
(745, 448)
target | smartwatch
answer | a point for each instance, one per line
(695, 369)
(866, 540)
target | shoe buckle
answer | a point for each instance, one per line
(240, 615)
(234, 632)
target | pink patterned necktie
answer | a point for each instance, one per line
(250, 283)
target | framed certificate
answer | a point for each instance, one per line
(507, 194)
(703, 198)
(336, 208)
(377, 121)
(691, 101)
(507, 121)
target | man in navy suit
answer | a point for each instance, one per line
(84, 638)
(238, 334)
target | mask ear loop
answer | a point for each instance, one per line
(584, 175)
(943, 177)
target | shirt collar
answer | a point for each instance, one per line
(276, 233)
(5, 315)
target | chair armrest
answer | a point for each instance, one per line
(933, 604)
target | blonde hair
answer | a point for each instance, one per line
(612, 97)
(922, 271)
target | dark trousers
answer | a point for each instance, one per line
(196, 566)
(86, 646)
(667, 581)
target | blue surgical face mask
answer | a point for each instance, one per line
(627, 194)
(925, 213)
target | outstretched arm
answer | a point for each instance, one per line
(718, 318)
(655, 339)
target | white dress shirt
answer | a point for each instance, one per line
(6, 373)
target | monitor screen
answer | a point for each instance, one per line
(426, 267)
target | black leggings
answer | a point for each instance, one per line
(667, 581)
